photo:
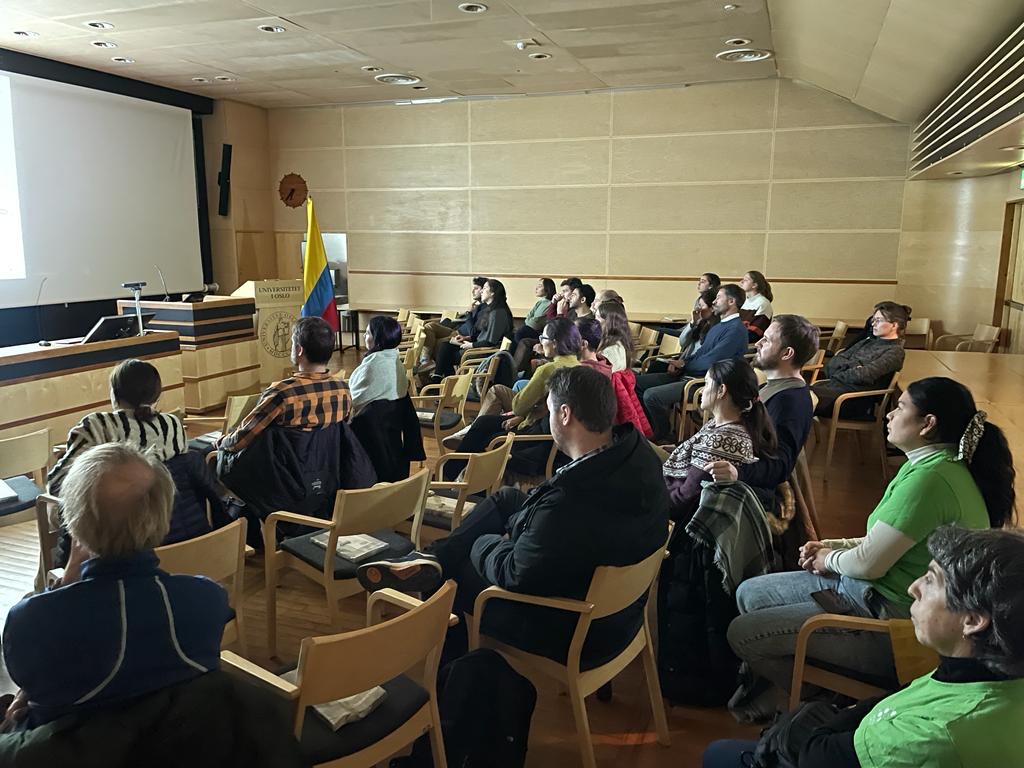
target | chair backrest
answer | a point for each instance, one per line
(634, 329)
(454, 390)
(973, 345)
(218, 555)
(911, 658)
(340, 375)
(838, 334)
(615, 588)
(337, 666)
(385, 505)
(236, 408)
(918, 332)
(451, 314)
(26, 455)
(506, 344)
(984, 332)
(669, 345)
(403, 315)
(484, 471)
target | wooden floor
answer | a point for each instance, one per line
(622, 729)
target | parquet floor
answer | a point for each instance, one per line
(622, 729)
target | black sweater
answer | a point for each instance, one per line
(791, 412)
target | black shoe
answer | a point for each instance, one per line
(416, 572)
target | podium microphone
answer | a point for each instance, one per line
(167, 296)
(136, 289)
(39, 316)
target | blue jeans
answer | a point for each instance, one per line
(774, 607)
(729, 753)
(520, 384)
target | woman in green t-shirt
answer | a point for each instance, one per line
(969, 608)
(959, 470)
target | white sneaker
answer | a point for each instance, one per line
(452, 442)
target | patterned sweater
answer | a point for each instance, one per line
(728, 442)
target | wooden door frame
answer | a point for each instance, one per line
(1006, 246)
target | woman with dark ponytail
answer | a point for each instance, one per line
(959, 471)
(739, 431)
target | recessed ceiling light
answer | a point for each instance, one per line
(744, 55)
(738, 41)
(25, 33)
(1013, 148)
(729, 7)
(200, 80)
(371, 69)
(99, 24)
(224, 79)
(419, 87)
(122, 59)
(540, 56)
(397, 79)
(472, 7)
(954, 173)
(103, 44)
(273, 29)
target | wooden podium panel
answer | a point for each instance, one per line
(278, 306)
(54, 387)
(218, 345)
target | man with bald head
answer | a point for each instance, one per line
(118, 627)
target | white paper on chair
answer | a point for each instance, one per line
(6, 492)
(357, 547)
(348, 710)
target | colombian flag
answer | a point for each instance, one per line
(317, 286)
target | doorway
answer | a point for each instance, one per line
(1009, 309)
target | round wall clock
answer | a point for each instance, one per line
(293, 190)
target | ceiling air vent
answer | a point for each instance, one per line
(744, 55)
(396, 79)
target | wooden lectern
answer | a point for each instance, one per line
(55, 386)
(218, 346)
(278, 306)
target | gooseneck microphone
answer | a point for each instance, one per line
(39, 315)
(167, 296)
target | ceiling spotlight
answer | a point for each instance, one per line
(738, 41)
(728, 7)
(371, 69)
(224, 79)
(744, 55)
(103, 44)
(98, 24)
(122, 59)
(25, 33)
(472, 7)
(200, 80)
(540, 56)
(397, 79)
(273, 29)
(1013, 148)
(954, 173)
(419, 87)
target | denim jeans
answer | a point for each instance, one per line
(659, 392)
(774, 607)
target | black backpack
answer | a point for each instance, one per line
(486, 708)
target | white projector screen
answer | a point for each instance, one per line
(95, 189)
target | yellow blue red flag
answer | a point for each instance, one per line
(317, 286)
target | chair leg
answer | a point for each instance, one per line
(654, 692)
(270, 569)
(579, 713)
(333, 609)
(828, 452)
(241, 642)
(436, 737)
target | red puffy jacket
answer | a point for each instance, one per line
(630, 409)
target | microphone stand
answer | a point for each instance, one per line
(136, 289)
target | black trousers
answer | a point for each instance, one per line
(447, 359)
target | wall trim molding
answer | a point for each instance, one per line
(652, 278)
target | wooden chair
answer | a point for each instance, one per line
(834, 341)
(218, 555)
(611, 590)
(23, 465)
(236, 408)
(812, 368)
(402, 317)
(872, 426)
(984, 339)
(401, 654)
(485, 379)
(918, 334)
(377, 511)
(484, 472)
(549, 466)
(803, 494)
(474, 355)
(47, 528)
(441, 408)
(646, 344)
(912, 659)
(667, 350)
(687, 407)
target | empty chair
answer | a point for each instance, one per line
(984, 339)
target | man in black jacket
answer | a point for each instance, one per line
(608, 506)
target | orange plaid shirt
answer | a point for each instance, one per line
(304, 400)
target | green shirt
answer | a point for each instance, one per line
(935, 491)
(944, 725)
(525, 400)
(536, 318)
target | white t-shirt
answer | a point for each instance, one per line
(759, 304)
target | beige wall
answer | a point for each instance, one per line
(636, 190)
(242, 242)
(949, 251)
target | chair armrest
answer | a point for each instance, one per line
(270, 526)
(837, 406)
(376, 602)
(955, 338)
(458, 455)
(439, 485)
(279, 685)
(496, 442)
(429, 401)
(203, 421)
(660, 358)
(561, 603)
(836, 621)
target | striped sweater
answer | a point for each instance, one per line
(164, 434)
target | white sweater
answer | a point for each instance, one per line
(380, 376)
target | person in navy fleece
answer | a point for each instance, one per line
(118, 627)
(726, 340)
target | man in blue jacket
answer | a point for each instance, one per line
(726, 339)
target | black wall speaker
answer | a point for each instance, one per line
(224, 180)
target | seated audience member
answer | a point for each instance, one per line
(868, 364)
(590, 341)
(756, 311)
(607, 295)
(523, 411)
(616, 338)
(968, 607)
(607, 506)
(493, 326)
(692, 334)
(738, 432)
(560, 307)
(580, 301)
(725, 340)
(958, 471)
(787, 345)
(538, 314)
(118, 627)
(381, 374)
(709, 281)
(438, 331)
(135, 387)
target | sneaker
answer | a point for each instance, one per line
(452, 442)
(416, 572)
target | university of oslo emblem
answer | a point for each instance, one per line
(276, 334)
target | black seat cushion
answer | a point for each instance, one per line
(436, 519)
(449, 419)
(319, 744)
(27, 492)
(313, 554)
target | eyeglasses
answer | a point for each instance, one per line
(544, 338)
(879, 321)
